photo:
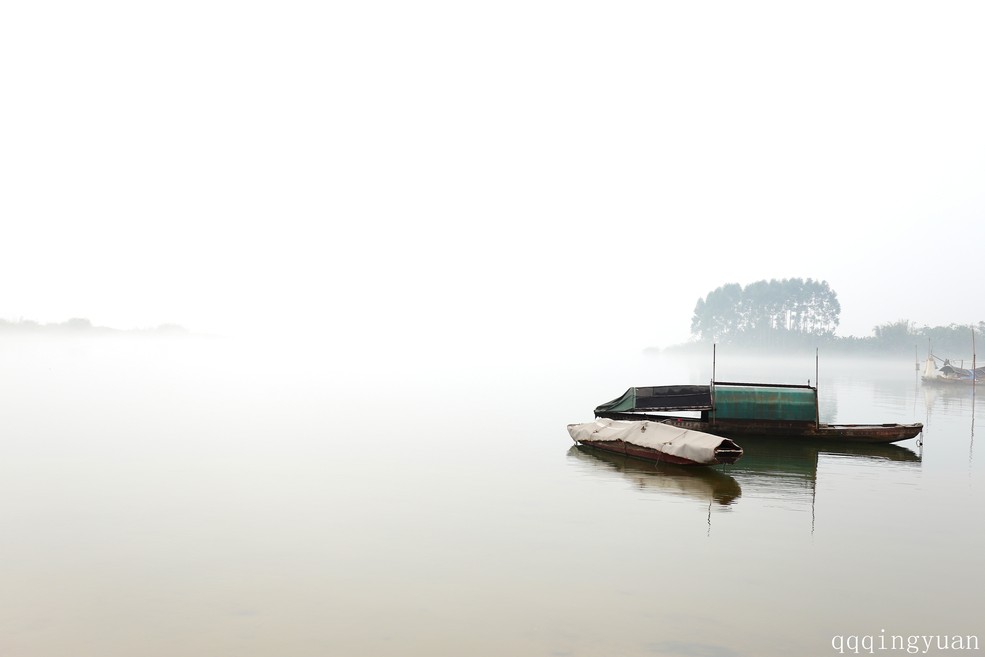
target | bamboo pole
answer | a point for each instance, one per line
(817, 398)
(714, 347)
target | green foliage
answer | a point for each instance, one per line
(777, 312)
(952, 341)
(895, 335)
(794, 312)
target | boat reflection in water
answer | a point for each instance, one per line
(951, 400)
(787, 469)
(705, 484)
(770, 467)
(766, 456)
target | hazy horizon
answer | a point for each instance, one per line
(481, 215)
(475, 218)
(443, 174)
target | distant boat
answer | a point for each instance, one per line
(655, 441)
(736, 410)
(948, 373)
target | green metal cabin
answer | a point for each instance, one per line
(763, 402)
(722, 401)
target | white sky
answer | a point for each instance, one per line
(487, 172)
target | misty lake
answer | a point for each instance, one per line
(201, 497)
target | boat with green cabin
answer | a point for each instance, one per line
(735, 410)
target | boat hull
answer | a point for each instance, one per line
(949, 381)
(737, 429)
(656, 441)
(646, 453)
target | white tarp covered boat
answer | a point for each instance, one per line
(949, 373)
(657, 441)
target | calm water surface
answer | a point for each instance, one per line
(198, 497)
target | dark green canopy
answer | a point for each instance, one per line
(731, 401)
(660, 398)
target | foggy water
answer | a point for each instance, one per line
(213, 497)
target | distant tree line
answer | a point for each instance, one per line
(794, 312)
(773, 312)
(951, 341)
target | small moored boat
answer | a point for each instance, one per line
(656, 441)
(735, 410)
(949, 373)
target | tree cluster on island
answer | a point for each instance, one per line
(767, 311)
(794, 313)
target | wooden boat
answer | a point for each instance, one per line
(735, 410)
(655, 441)
(950, 374)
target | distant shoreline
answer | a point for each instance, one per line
(912, 346)
(78, 326)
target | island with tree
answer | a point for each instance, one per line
(794, 313)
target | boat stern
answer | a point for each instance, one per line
(728, 452)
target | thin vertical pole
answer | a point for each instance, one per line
(974, 384)
(817, 401)
(974, 379)
(711, 388)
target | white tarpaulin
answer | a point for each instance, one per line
(684, 443)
